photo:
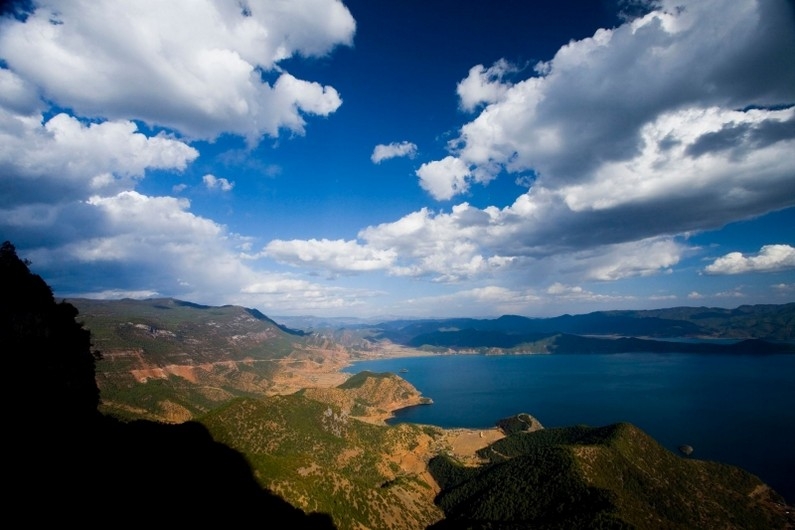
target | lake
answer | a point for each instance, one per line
(737, 409)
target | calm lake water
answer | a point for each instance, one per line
(737, 409)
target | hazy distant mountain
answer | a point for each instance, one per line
(765, 322)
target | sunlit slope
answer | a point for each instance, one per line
(170, 360)
(319, 456)
(608, 477)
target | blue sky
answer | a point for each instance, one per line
(403, 158)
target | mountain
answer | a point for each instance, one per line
(316, 458)
(607, 477)
(170, 360)
(67, 464)
(769, 323)
(496, 342)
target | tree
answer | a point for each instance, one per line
(52, 372)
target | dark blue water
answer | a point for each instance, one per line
(735, 409)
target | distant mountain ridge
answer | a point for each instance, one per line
(170, 360)
(761, 327)
(768, 322)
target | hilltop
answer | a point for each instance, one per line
(607, 477)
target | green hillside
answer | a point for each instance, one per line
(321, 459)
(607, 477)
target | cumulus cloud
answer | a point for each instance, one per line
(484, 85)
(574, 292)
(445, 178)
(771, 258)
(73, 149)
(156, 247)
(63, 158)
(625, 167)
(215, 183)
(498, 299)
(337, 255)
(393, 150)
(470, 243)
(199, 67)
(633, 142)
(591, 107)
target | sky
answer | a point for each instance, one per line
(403, 158)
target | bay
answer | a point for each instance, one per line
(736, 409)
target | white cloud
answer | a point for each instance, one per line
(337, 255)
(156, 247)
(770, 258)
(574, 292)
(212, 182)
(116, 294)
(65, 159)
(17, 95)
(444, 179)
(596, 105)
(636, 258)
(470, 243)
(393, 150)
(484, 85)
(191, 65)
(491, 300)
(684, 158)
(50, 169)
